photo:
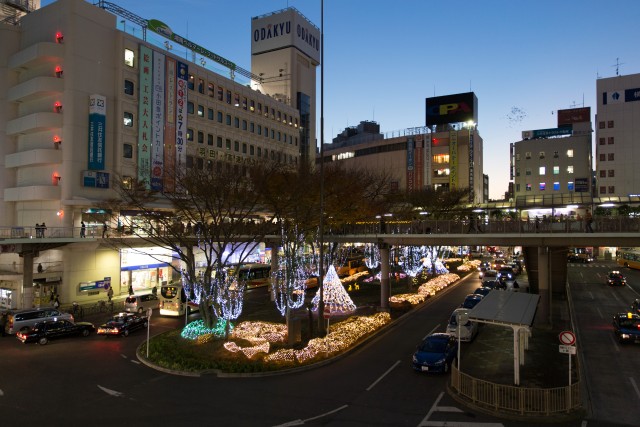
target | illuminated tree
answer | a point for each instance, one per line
(334, 295)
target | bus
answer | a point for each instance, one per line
(173, 301)
(254, 275)
(629, 258)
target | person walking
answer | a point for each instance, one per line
(56, 303)
(43, 228)
(110, 293)
(83, 229)
(104, 229)
(37, 230)
(130, 289)
(588, 220)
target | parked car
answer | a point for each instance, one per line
(47, 330)
(482, 290)
(517, 269)
(615, 278)
(468, 330)
(436, 353)
(23, 320)
(626, 327)
(494, 284)
(471, 301)
(140, 303)
(123, 324)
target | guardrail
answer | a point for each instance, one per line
(516, 400)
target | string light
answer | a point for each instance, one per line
(372, 255)
(336, 298)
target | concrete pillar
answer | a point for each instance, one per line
(544, 287)
(384, 277)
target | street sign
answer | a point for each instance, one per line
(567, 349)
(567, 338)
(327, 311)
(149, 312)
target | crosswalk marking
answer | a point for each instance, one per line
(452, 410)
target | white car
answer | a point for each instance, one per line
(468, 331)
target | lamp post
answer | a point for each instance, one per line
(321, 326)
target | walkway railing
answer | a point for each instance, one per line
(516, 400)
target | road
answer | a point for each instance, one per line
(98, 381)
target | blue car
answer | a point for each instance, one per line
(436, 353)
(626, 326)
(471, 301)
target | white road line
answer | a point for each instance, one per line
(124, 356)
(460, 424)
(448, 409)
(591, 295)
(432, 331)
(382, 376)
(584, 423)
(615, 343)
(1, 392)
(433, 407)
(635, 386)
(599, 312)
(300, 422)
(137, 362)
(110, 392)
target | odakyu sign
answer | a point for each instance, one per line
(458, 108)
(283, 29)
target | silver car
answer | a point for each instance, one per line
(140, 303)
(23, 320)
(468, 331)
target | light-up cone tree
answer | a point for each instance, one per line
(335, 296)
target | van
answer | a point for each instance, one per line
(23, 320)
(140, 303)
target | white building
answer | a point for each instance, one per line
(617, 136)
(83, 102)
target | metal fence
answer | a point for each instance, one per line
(516, 400)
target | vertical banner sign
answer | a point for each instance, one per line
(144, 117)
(427, 165)
(170, 127)
(453, 159)
(419, 162)
(157, 117)
(181, 118)
(97, 121)
(410, 164)
(471, 167)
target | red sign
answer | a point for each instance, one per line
(567, 338)
(327, 311)
(574, 115)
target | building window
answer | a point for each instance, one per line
(570, 186)
(517, 171)
(219, 116)
(210, 90)
(266, 132)
(601, 141)
(200, 85)
(259, 129)
(518, 188)
(189, 134)
(527, 171)
(190, 107)
(610, 124)
(252, 105)
(543, 186)
(128, 87)
(612, 189)
(518, 157)
(603, 189)
(612, 173)
(441, 158)
(236, 146)
(610, 157)
(569, 153)
(600, 125)
(610, 140)
(236, 100)
(189, 162)
(228, 120)
(603, 173)
(259, 152)
(228, 97)
(200, 137)
(527, 155)
(200, 163)
(219, 142)
(244, 103)
(191, 81)
(228, 143)
(129, 58)
(210, 113)
(128, 119)
(220, 93)
(200, 111)
(603, 157)
(127, 151)
(528, 187)
(244, 125)
(541, 154)
(251, 150)
(209, 139)
(555, 155)
(542, 170)
(236, 122)
(252, 127)
(244, 148)
(569, 169)
(556, 170)
(556, 186)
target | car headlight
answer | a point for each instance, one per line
(441, 361)
(626, 336)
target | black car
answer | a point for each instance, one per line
(471, 300)
(42, 332)
(615, 278)
(626, 326)
(122, 324)
(482, 291)
(495, 284)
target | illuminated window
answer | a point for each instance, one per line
(556, 186)
(200, 111)
(570, 186)
(543, 186)
(189, 134)
(570, 169)
(129, 57)
(128, 119)
(527, 155)
(542, 170)
(569, 153)
(441, 158)
(528, 187)
(191, 82)
(556, 170)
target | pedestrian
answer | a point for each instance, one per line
(43, 228)
(3, 322)
(104, 229)
(537, 224)
(588, 220)
(56, 303)
(110, 293)
(83, 229)
(37, 230)
(130, 289)
(154, 291)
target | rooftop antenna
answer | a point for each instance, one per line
(618, 64)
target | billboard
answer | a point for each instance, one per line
(453, 159)
(97, 122)
(284, 29)
(461, 107)
(181, 118)
(547, 133)
(574, 115)
(157, 136)
(144, 116)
